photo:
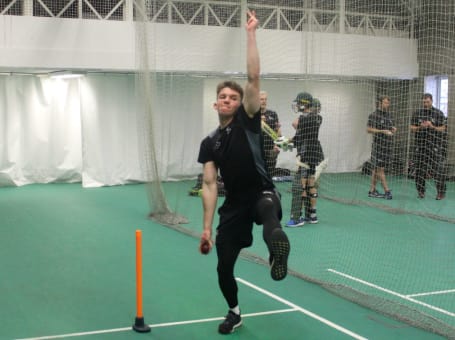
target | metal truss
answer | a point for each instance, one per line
(227, 13)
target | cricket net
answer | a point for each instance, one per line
(374, 251)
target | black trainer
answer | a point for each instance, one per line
(388, 195)
(230, 323)
(279, 249)
(375, 194)
(440, 196)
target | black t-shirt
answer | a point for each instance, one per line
(429, 138)
(381, 120)
(271, 119)
(237, 152)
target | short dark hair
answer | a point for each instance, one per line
(427, 95)
(381, 99)
(230, 84)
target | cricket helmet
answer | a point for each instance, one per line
(303, 101)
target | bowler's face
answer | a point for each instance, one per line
(227, 102)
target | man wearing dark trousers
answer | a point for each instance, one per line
(429, 126)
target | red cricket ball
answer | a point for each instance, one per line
(204, 247)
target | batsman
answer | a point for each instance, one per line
(309, 156)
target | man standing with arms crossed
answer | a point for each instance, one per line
(429, 126)
(235, 149)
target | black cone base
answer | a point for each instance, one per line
(140, 326)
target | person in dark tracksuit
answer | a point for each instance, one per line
(429, 126)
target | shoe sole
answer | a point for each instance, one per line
(280, 249)
(233, 328)
(295, 225)
(236, 326)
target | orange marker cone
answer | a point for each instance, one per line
(139, 324)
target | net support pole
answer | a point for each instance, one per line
(139, 324)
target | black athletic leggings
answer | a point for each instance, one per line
(268, 213)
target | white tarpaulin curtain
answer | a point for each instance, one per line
(72, 130)
(109, 131)
(40, 138)
(87, 130)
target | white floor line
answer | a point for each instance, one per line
(448, 291)
(391, 292)
(166, 324)
(69, 335)
(302, 310)
(221, 318)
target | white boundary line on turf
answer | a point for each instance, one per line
(302, 310)
(69, 335)
(433, 293)
(166, 324)
(391, 292)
